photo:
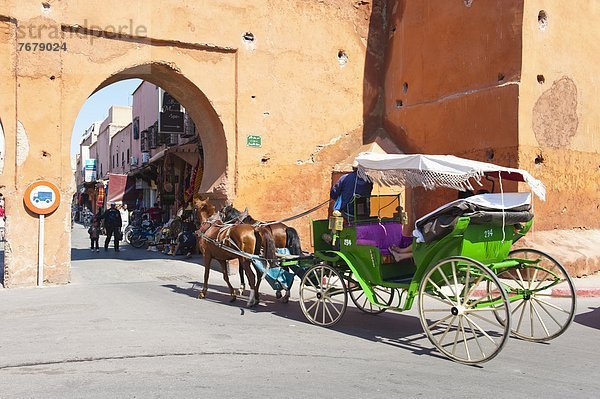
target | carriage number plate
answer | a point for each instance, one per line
(347, 242)
(488, 233)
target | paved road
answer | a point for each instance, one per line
(129, 325)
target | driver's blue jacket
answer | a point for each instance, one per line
(346, 187)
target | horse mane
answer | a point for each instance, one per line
(230, 213)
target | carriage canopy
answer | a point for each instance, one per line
(432, 171)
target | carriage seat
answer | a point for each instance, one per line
(487, 209)
(382, 236)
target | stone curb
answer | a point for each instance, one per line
(581, 292)
(561, 292)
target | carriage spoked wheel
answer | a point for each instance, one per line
(458, 299)
(541, 296)
(323, 295)
(384, 296)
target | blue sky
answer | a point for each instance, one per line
(95, 109)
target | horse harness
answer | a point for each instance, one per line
(223, 236)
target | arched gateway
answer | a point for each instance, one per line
(271, 78)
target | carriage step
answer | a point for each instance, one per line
(400, 280)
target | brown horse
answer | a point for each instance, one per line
(241, 237)
(284, 236)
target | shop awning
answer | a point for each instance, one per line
(187, 152)
(119, 186)
(158, 155)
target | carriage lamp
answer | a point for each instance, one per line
(336, 224)
(336, 221)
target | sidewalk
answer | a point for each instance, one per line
(588, 286)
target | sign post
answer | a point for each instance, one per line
(41, 198)
(41, 252)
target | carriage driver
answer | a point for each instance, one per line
(346, 188)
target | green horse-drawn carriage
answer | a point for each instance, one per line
(473, 289)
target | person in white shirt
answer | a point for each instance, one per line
(124, 216)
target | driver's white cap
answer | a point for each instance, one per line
(355, 164)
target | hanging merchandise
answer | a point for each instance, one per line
(198, 181)
(186, 181)
(100, 196)
(168, 196)
(190, 190)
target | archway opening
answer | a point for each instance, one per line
(151, 153)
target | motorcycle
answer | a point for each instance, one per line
(138, 237)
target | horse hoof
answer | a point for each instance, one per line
(285, 300)
(251, 304)
(240, 291)
(233, 298)
(278, 295)
(201, 295)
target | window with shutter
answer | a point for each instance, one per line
(144, 142)
(136, 128)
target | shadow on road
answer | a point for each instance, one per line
(398, 330)
(126, 253)
(589, 319)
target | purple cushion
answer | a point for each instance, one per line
(382, 236)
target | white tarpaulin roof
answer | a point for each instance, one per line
(431, 171)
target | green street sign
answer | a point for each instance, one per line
(253, 141)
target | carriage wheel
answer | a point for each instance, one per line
(323, 295)
(542, 296)
(458, 299)
(385, 295)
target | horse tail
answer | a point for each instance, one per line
(292, 241)
(259, 243)
(268, 243)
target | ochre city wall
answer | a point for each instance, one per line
(319, 78)
(559, 99)
(291, 85)
(452, 82)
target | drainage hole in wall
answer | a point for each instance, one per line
(46, 6)
(399, 103)
(342, 57)
(248, 37)
(52, 77)
(489, 154)
(500, 77)
(404, 87)
(468, 3)
(539, 159)
(265, 158)
(541, 79)
(542, 20)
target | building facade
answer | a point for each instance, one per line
(282, 91)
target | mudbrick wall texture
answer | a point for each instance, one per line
(487, 79)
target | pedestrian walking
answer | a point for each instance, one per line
(112, 225)
(124, 216)
(94, 232)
